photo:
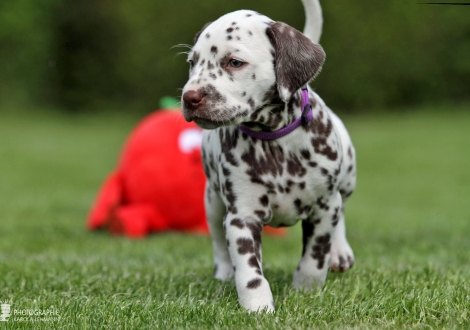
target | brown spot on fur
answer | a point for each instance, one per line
(298, 206)
(263, 216)
(294, 166)
(228, 142)
(307, 232)
(230, 195)
(259, 165)
(319, 141)
(338, 170)
(322, 204)
(225, 171)
(305, 154)
(195, 58)
(256, 229)
(350, 153)
(253, 262)
(196, 37)
(212, 94)
(237, 223)
(335, 218)
(245, 245)
(264, 200)
(321, 249)
(253, 284)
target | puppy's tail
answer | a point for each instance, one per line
(313, 20)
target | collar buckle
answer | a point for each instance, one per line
(305, 114)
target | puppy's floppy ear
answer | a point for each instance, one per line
(297, 58)
(199, 33)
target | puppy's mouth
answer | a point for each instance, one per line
(207, 123)
(218, 121)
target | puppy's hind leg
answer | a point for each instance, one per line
(342, 256)
(318, 233)
(215, 212)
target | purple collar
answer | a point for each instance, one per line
(307, 116)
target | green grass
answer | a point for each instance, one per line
(408, 223)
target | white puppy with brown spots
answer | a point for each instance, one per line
(273, 152)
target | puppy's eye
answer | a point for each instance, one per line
(235, 63)
(191, 63)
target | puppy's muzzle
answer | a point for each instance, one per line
(193, 109)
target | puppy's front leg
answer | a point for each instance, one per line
(215, 211)
(244, 242)
(318, 233)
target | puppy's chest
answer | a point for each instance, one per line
(282, 181)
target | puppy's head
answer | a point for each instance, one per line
(241, 63)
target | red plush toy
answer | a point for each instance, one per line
(159, 183)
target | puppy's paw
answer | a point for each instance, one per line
(256, 296)
(342, 256)
(223, 271)
(266, 308)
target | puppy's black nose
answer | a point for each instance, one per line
(192, 100)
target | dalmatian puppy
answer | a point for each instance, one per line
(245, 86)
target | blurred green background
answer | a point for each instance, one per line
(92, 54)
